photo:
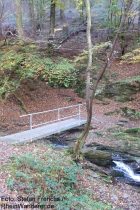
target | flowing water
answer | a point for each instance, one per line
(127, 171)
(124, 167)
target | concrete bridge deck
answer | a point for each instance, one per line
(43, 131)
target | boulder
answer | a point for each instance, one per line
(101, 158)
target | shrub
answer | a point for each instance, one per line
(60, 73)
(18, 65)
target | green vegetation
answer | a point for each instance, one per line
(121, 90)
(99, 57)
(132, 57)
(132, 134)
(125, 140)
(24, 62)
(49, 175)
(98, 54)
(130, 113)
(133, 131)
(130, 80)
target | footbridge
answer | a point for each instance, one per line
(47, 123)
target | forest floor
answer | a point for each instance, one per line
(40, 98)
(119, 195)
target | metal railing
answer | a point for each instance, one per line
(59, 118)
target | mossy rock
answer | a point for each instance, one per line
(101, 158)
(122, 90)
(128, 140)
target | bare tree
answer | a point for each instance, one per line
(139, 19)
(90, 94)
(32, 15)
(62, 15)
(52, 17)
(19, 24)
(1, 15)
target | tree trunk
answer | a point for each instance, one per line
(52, 17)
(32, 16)
(0, 29)
(19, 19)
(90, 97)
(88, 80)
(1, 15)
(62, 15)
(139, 21)
(125, 27)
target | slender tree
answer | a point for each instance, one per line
(52, 17)
(62, 15)
(32, 15)
(90, 94)
(139, 19)
(1, 15)
(19, 24)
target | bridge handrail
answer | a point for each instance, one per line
(52, 110)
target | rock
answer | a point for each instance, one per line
(120, 124)
(93, 168)
(116, 173)
(101, 158)
(123, 121)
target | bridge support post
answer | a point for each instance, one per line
(58, 114)
(31, 121)
(79, 112)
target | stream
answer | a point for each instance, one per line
(127, 172)
(124, 167)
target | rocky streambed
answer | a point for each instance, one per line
(122, 164)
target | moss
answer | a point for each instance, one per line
(132, 134)
(130, 113)
(133, 131)
(125, 136)
(101, 158)
(130, 79)
(121, 90)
